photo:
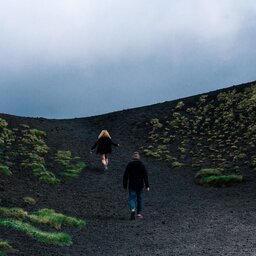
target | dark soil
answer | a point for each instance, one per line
(181, 218)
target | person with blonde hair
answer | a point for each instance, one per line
(135, 178)
(104, 147)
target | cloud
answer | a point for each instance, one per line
(68, 58)
(86, 32)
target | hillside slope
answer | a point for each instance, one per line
(181, 218)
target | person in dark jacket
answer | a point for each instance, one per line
(135, 177)
(104, 147)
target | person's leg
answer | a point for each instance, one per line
(106, 159)
(132, 198)
(139, 193)
(103, 159)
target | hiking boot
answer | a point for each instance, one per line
(140, 216)
(132, 215)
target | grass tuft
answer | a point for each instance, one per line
(63, 157)
(218, 129)
(176, 164)
(15, 218)
(74, 170)
(55, 220)
(5, 170)
(5, 247)
(221, 181)
(29, 200)
(49, 178)
(205, 172)
(71, 168)
(61, 239)
(3, 123)
(14, 213)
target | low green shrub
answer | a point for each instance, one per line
(43, 216)
(222, 125)
(3, 123)
(176, 164)
(62, 239)
(5, 170)
(239, 157)
(25, 126)
(17, 218)
(180, 105)
(35, 158)
(5, 247)
(148, 152)
(182, 150)
(38, 168)
(253, 161)
(205, 172)
(29, 200)
(45, 176)
(166, 140)
(41, 149)
(63, 157)
(156, 123)
(69, 174)
(15, 213)
(55, 220)
(74, 170)
(69, 165)
(37, 133)
(221, 180)
(49, 178)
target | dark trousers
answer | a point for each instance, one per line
(133, 195)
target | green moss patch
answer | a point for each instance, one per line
(63, 157)
(49, 178)
(56, 220)
(5, 247)
(13, 213)
(18, 219)
(5, 170)
(176, 164)
(221, 181)
(29, 200)
(215, 177)
(33, 148)
(39, 235)
(216, 130)
(206, 172)
(25, 148)
(70, 166)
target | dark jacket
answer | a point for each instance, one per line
(136, 174)
(104, 145)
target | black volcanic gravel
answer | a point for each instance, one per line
(181, 218)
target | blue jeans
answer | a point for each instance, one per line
(133, 194)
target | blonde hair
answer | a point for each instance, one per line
(136, 155)
(104, 133)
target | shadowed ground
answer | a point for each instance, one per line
(181, 218)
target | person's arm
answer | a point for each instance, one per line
(145, 177)
(95, 145)
(115, 144)
(125, 177)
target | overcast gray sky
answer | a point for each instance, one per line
(75, 58)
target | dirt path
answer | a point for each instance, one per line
(180, 217)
